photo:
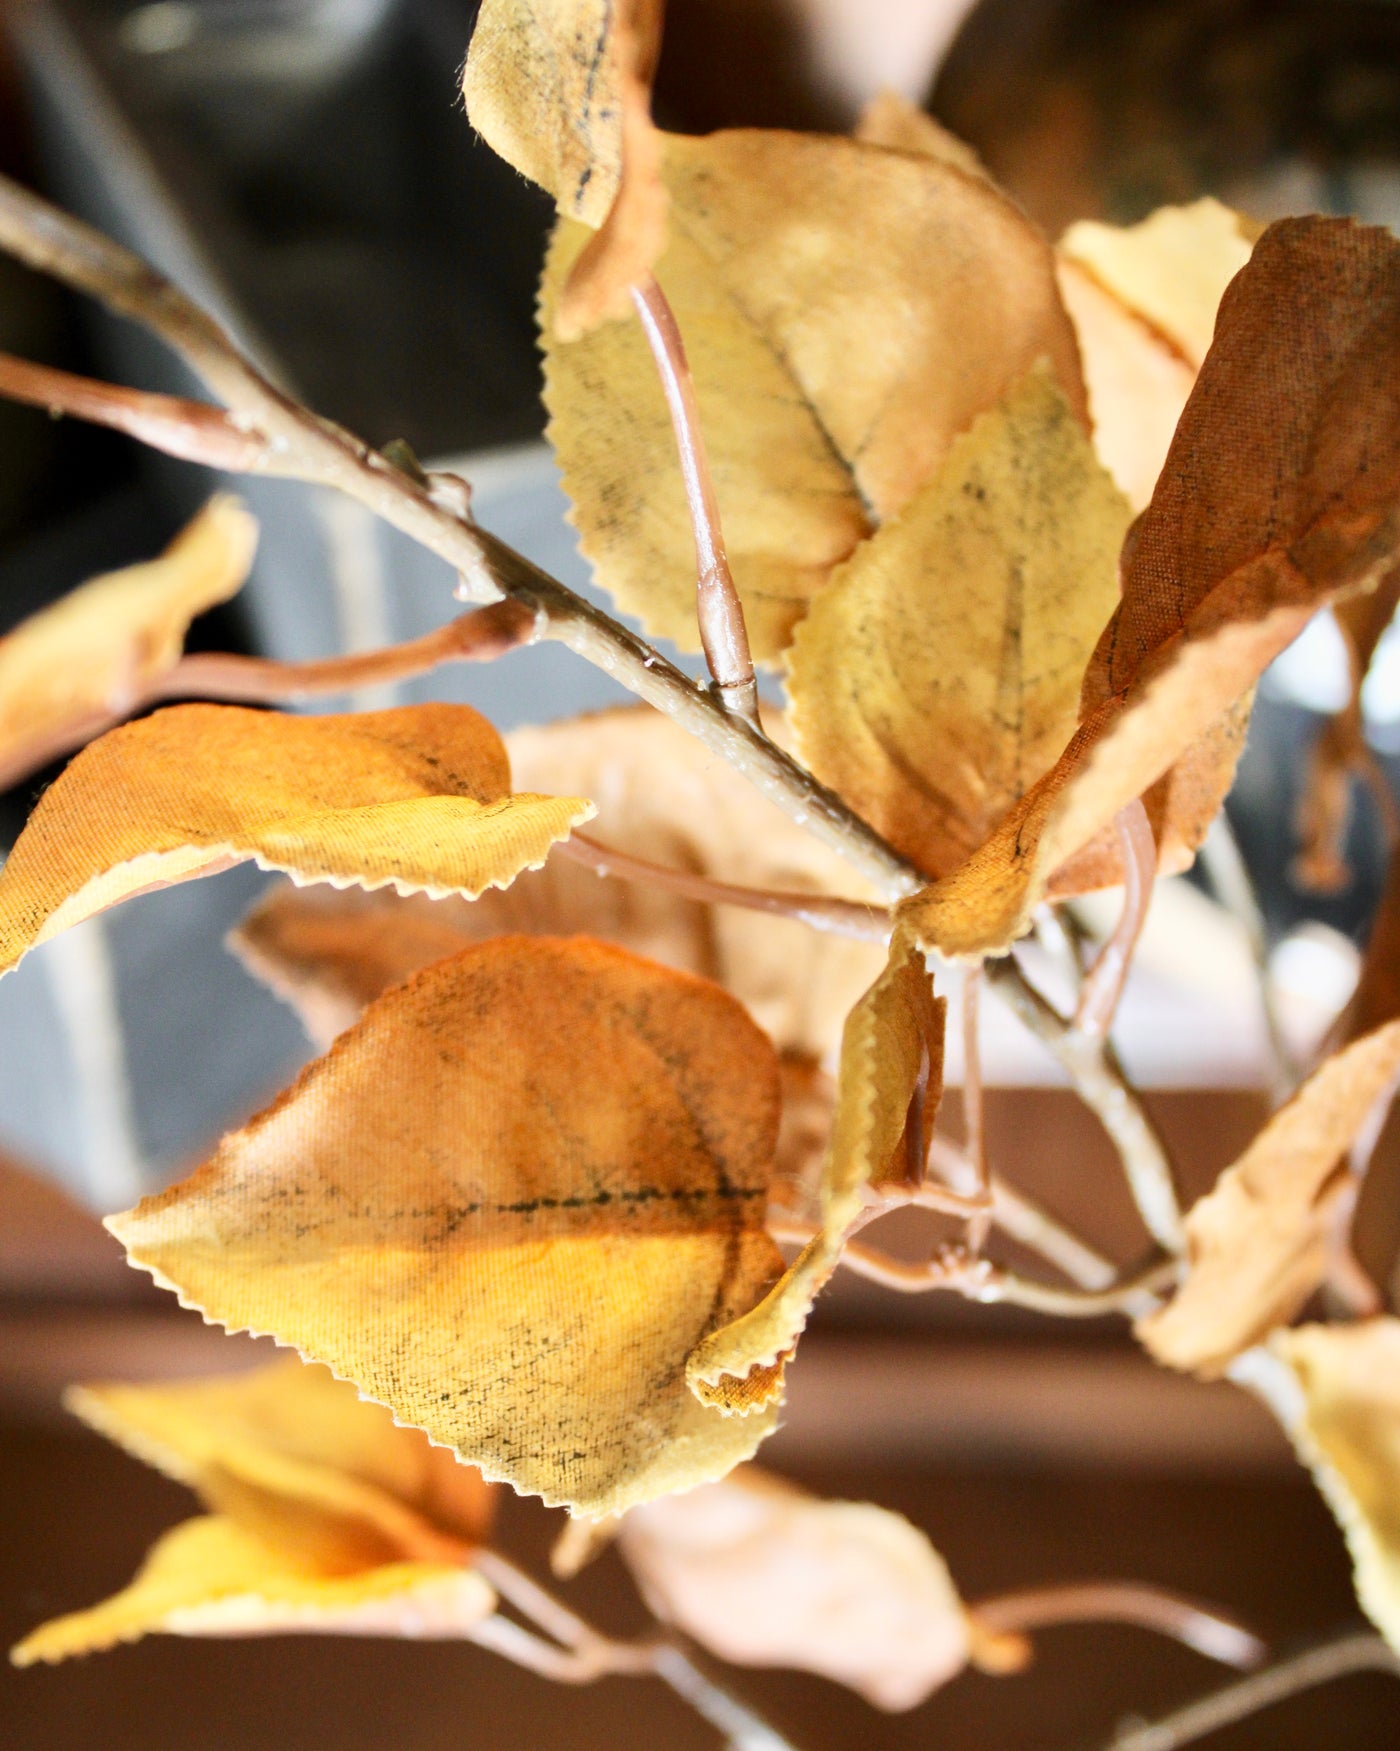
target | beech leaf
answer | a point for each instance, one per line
(210, 1577)
(507, 1204)
(847, 311)
(937, 676)
(418, 797)
(1258, 1242)
(1348, 1433)
(893, 1043)
(763, 1574)
(1280, 494)
(663, 796)
(91, 655)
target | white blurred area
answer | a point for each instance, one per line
(857, 48)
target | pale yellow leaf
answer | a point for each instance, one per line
(88, 658)
(891, 120)
(937, 676)
(1258, 1243)
(507, 1204)
(847, 311)
(418, 798)
(893, 1044)
(1349, 1434)
(210, 1577)
(762, 1574)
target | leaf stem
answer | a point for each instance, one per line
(1209, 1632)
(975, 1142)
(1320, 1665)
(718, 609)
(1103, 984)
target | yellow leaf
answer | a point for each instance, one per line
(418, 798)
(938, 674)
(210, 1577)
(73, 666)
(1171, 269)
(1280, 494)
(893, 1042)
(1257, 1243)
(847, 312)
(763, 1574)
(891, 120)
(662, 796)
(507, 1204)
(1349, 1434)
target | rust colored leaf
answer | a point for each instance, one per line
(418, 798)
(893, 1043)
(1258, 1243)
(507, 1204)
(1281, 493)
(69, 669)
(1349, 1434)
(763, 1574)
(847, 311)
(938, 674)
(662, 796)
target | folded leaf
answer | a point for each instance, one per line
(892, 1046)
(663, 796)
(847, 312)
(763, 1574)
(507, 1204)
(1349, 1434)
(938, 674)
(1281, 493)
(70, 668)
(1257, 1244)
(418, 798)
(210, 1577)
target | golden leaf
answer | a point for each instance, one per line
(210, 1577)
(937, 676)
(891, 120)
(1257, 1243)
(847, 311)
(1280, 494)
(507, 1204)
(89, 657)
(662, 796)
(893, 1043)
(418, 798)
(763, 1574)
(1349, 1434)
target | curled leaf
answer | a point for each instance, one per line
(891, 1055)
(418, 798)
(1349, 1434)
(507, 1204)
(70, 668)
(662, 796)
(1281, 493)
(763, 1574)
(847, 311)
(938, 674)
(1258, 1243)
(210, 1577)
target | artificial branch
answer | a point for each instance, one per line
(977, 1279)
(1209, 1632)
(720, 613)
(1322, 1665)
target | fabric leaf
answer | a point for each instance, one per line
(847, 311)
(937, 676)
(507, 1204)
(1257, 1243)
(1280, 494)
(74, 665)
(417, 797)
(763, 1574)
(892, 1045)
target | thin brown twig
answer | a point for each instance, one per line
(1209, 1632)
(720, 613)
(854, 918)
(1102, 989)
(979, 1280)
(1321, 1665)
